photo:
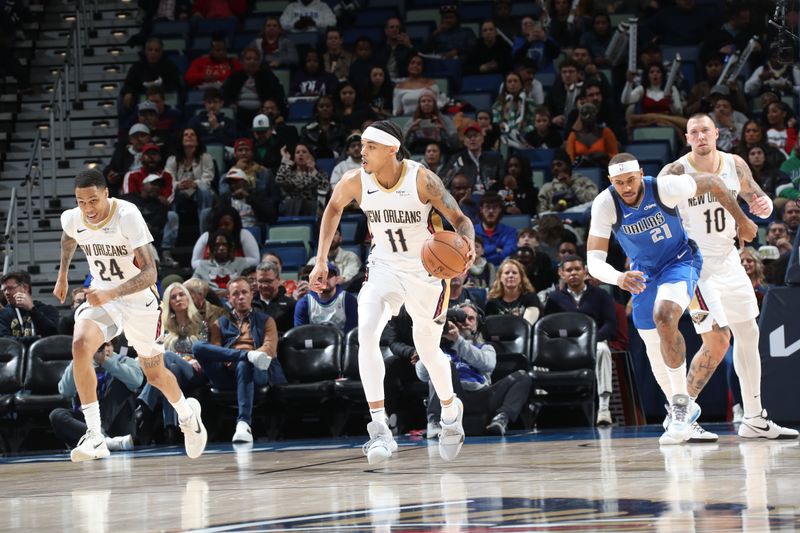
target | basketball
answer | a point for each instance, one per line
(444, 254)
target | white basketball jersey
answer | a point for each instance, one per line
(398, 221)
(109, 245)
(709, 224)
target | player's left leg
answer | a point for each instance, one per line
(603, 368)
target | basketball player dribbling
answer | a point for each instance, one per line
(122, 297)
(725, 301)
(403, 202)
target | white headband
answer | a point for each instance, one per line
(622, 168)
(380, 137)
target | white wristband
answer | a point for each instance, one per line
(599, 269)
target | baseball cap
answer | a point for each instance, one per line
(720, 89)
(236, 174)
(149, 147)
(138, 128)
(472, 127)
(242, 140)
(332, 269)
(151, 178)
(354, 137)
(147, 105)
(769, 253)
(261, 123)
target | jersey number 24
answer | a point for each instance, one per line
(107, 272)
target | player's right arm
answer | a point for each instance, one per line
(347, 190)
(603, 218)
(68, 246)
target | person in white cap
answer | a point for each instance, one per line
(404, 203)
(726, 303)
(665, 266)
(126, 157)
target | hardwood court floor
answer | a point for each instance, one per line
(567, 480)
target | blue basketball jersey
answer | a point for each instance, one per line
(651, 233)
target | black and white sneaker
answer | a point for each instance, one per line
(761, 427)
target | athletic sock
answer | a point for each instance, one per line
(183, 409)
(378, 415)
(677, 379)
(603, 401)
(91, 413)
(450, 412)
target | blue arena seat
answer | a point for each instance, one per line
(351, 35)
(478, 83)
(165, 28)
(227, 26)
(517, 222)
(373, 17)
(480, 101)
(293, 254)
(326, 165)
(255, 24)
(650, 151)
(301, 110)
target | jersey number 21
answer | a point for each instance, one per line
(660, 233)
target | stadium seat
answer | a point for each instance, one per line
(304, 38)
(242, 40)
(175, 44)
(256, 232)
(270, 7)
(475, 12)
(508, 334)
(311, 358)
(418, 32)
(522, 9)
(443, 68)
(373, 17)
(227, 26)
(563, 360)
(480, 101)
(350, 226)
(517, 222)
(547, 79)
(542, 156)
(12, 358)
(478, 83)
(290, 232)
(293, 254)
(351, 35)
(171, 28)
(326, 165)
(47, 359)
(284, 76)
(301, 110)
(650, 151)
(253, 24)
(596, 174)
(423, 15)
(656, 133)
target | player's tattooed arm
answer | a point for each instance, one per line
(757, 200)
(673, 168)
(68, 247)
(145, 278)
(441, 199)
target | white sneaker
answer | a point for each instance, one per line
(433, 430)
(604, 417)
(683, 413)
(90, 447)
(697, 436)
(451, 438)
(243, 432)
(761, 427)
(119, 444)
(195, 435)
(381, 443)
(738, 413)
(260, 360)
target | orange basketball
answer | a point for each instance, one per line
(444, 254)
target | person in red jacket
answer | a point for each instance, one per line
(151, 164)
(213, 69)
(219, 9)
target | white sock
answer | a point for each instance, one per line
(91, 413)
(378, 415)
(677, 379)
(450, 412)
(182, 408)
(603, 401)
(747, 363)
(652, 343)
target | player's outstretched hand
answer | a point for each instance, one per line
(97, 297)
(61, 288)
(318, 277)
(747, 231)
(470, 254)
(631, 281)
(761, 207)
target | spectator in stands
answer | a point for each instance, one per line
(24, 319)
(227, 219)
(700, 100)
(307, 15)
(206, 301)
(428, 124)
(183, 326)
(193, 171)
(271, 297)
(481, 272)
(162, 222)
(534, 44)
(754, 269)
(461, 189)
(276, 50)
(333, 306)
(255, 207)
(396, 51)
(271, 132)
(147, 113)
(528, 237)
(304, 188)
(245, 89)
(597, 38)
(66, 324)
(211, 123)
(364, 60)
(241, 352)
(791, 216)
(434, 160)
(551, 234)
(489, 55)
(325, 136)
(460, 293)
(731, 36)
(533, 88)
(311, 80)
(589, 144)
(781, 127)
(753, 135)
(538, 266)
(353, 160)
(767, 176)
(683, 24)
(377, 91)
(219, 9)
(450, 40)
(491, 131)
(347, 263)
(562, 97)
(774, 76)
(778, 236)
(512, 112)
(483, 169)
(513, 294)
(259, 177)
(222, 266)
(791, 167)
(543, 134)
(153, 69)
(591, 92)
(729, 122)
(566, 189)
(118, 379)
(407, 92)
(351, 110)
(474, 362)
(336, 59)
(518, 193)
(650, 94)
(212, 69)
(151, 165)
(564, 29)
(506, 23)
(126, 157)
(499, 239)
(578, 296)
(169, 118)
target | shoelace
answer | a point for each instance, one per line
(679, 413)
